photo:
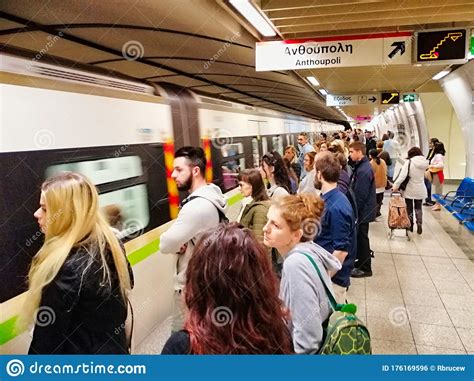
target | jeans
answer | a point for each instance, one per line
(428, 188)
(379, 197)
(418, 211)
(363, 248)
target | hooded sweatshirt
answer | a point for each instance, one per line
(198, 214)
(416, 188)
(304, 295)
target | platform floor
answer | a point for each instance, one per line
(420, 299)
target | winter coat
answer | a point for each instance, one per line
(87, 315)
(437, 162)
(380, 172)
(392, 147)
(254, 217)
(363, 186)
(344, 182)
(370, 144)
(416, 188)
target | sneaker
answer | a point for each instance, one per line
(419, 229)
(436, 208)
(428, 203)
(358, 273)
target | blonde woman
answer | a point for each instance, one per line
(79, 279)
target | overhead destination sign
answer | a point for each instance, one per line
(442, 46)
(352, 100)
(346, 51)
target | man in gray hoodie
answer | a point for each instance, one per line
(200, 211)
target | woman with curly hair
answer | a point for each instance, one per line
(232, 296)
(293, 223)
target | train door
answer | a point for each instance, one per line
(255, 152)
(184, 114)
(264, 145)
(277, 144)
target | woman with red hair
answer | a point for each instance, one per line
(232, 298)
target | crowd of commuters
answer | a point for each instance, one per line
(310, 208)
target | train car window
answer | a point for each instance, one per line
(104, 170)
(124, 198)
(131, 204)
(233, 161)
(277, 144)
(255, 153)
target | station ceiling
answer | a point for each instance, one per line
(204, 46)
(195, 44)
(301, 19)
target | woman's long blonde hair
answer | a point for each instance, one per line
(72, 219)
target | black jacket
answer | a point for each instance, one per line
(363, 186)
(80, 313)
(370, 144)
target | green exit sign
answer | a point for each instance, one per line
(410, 97)
(472, 45)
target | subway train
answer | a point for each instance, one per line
(122, 135)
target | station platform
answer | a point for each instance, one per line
(420, 297)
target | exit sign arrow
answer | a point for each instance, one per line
(399, 47)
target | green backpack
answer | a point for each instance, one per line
(344, 333)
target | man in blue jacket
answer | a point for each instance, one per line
(363, 186)
(304, 147)
(337, 222)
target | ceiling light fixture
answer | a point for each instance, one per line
(313, 80)
(254, 17)
(323, 92)
(441, 74)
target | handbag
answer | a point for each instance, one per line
(404, 184)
